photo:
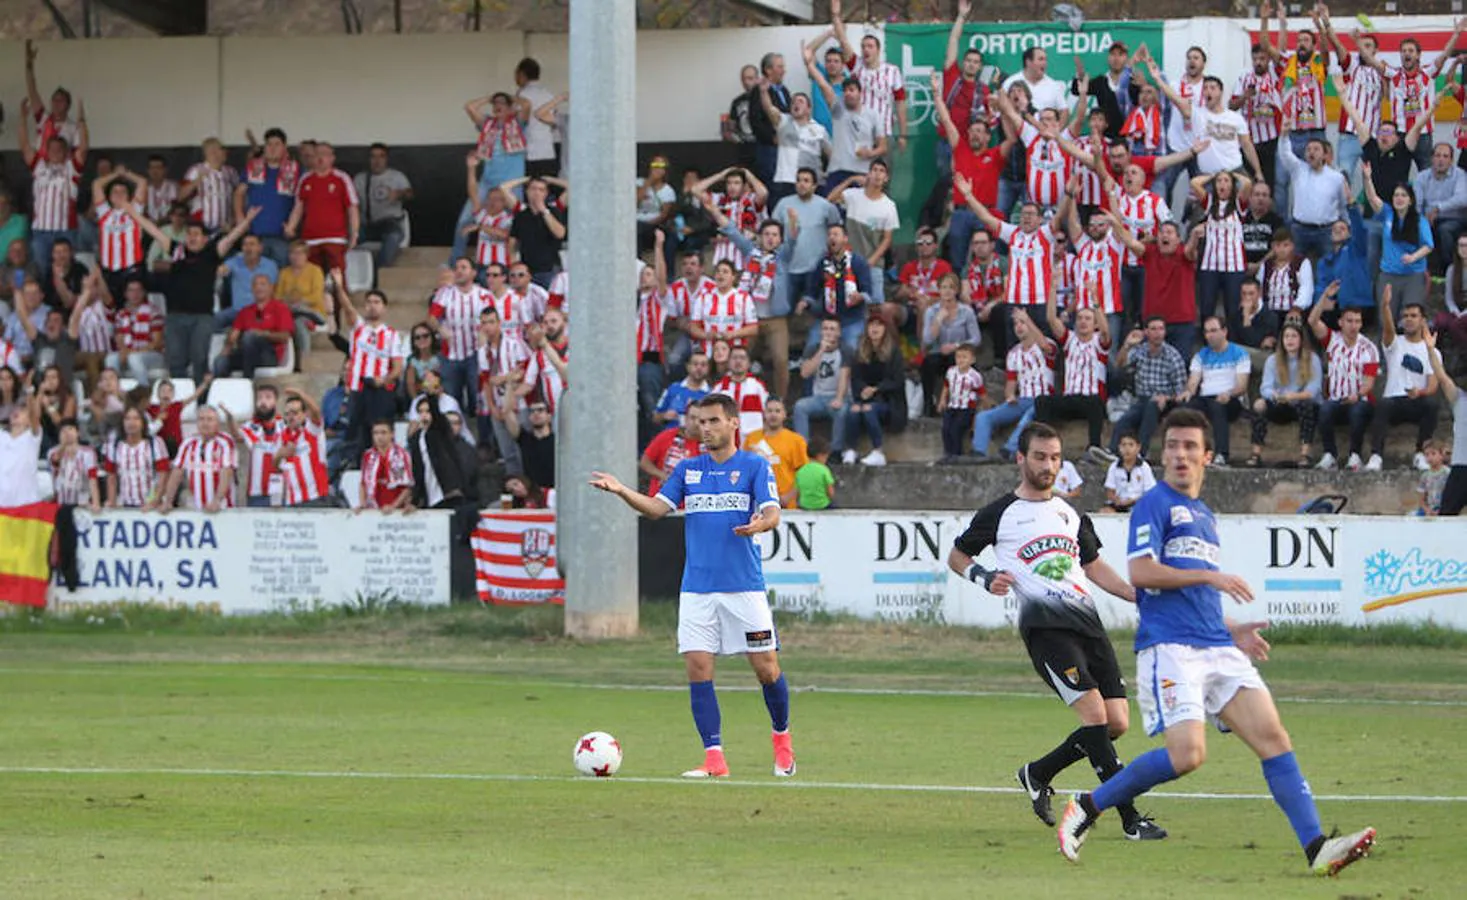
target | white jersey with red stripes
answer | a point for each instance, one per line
(1048, 168)
(138, 326)
(1143, 127)
(1411, 93)
(1304, 106)
(511, 309)
(749, 395)
(1349, 366)
(881, 87)
(1365, 88)
(964, 389)
(1222, 250)
(1032, 368)
(558, 297)
(653, 310)
(158, 199)
(1263, 106)
(1097, 269)
(373, 348)
(496, 361)
(205, 462)
(743, 212)
(1143, 214)
(724, 313)
(119, 239)
(135, 468)
(94, 334)
(541, 372)
(682, 295)
(1179, 132)
(54, 191)
(1031, 263)
(263, 440)
(1092, 189)
(72, 474)
(305, 472)
(457, 312)
(532, 303)
(491, 249)
(1086, 362)
(386, 475)
(10, 357)
(213, 202)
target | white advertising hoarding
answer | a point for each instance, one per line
(1355, 570)
(256, 560)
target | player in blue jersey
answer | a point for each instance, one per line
(728, 496)
(1192, 664)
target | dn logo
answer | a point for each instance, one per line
(914, 540)
(1310, 548)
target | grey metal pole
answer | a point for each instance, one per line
(597, 534)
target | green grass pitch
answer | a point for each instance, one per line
(428, 755)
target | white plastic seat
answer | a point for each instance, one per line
(351, 487)
(237, 395)
(360, 271)
(285, 368)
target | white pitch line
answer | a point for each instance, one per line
(774, 785)
(433, 676)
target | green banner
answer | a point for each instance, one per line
(919, 50)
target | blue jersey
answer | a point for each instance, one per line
(1182, 533)
(717, 498)
(678, 397)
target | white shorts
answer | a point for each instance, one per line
(725, 623)
(1177, 683)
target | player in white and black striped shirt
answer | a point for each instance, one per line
(1048, 554)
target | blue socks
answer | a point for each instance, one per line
(777, 699)
(1291, 792)
(1144, 773)
(705, 713)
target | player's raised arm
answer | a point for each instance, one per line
(651, 507)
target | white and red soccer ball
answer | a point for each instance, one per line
(597, 754)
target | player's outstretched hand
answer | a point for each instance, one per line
(754, 526)
(1247, 639)
(1003, 582)
(603, 482)
(1234, 586)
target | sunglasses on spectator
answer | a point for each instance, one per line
(494, 274)
(539, 407)
(925, 242)
(422, 336)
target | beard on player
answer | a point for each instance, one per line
(1038, 475)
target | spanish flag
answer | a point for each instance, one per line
(25, 552)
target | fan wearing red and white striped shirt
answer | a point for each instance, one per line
(502, 357)
(139, 334)
(1364, 88)
(1413, 86)
(1031, 245)
(1258, 95)
(962, 391)
(55, 177)
(1098, 260)
(724, 313)
(261, 436)
(748, 392)
(741, 202)
(531, 300)
(1223, 262)
(377, 349)
(883, 88)
(208, 187)
(301, 459)
(1090, 190)
(1141, 210)
(454, 313)
(1028, 375)
(545, 370)
(10, 357)
(74, 470)
(1352, 366)
(136, 465)
(559, 294)
(1087, 360)
(654, 308)
(1048, 165)
(161, 192)
(387, 473)
(208, 461)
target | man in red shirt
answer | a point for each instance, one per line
(327, 215)
(1171, 282)
(387, 472)
(979, 163)
(260, 333)
(670, 447)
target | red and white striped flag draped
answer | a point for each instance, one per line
(514, 558)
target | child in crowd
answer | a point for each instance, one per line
(165, 417)
(1433, 480)
(814, 484)
(1068, 482)
(1128, 478)
(962, 390)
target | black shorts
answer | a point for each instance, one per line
(1072, 663)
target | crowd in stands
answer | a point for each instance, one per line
(1110, 248)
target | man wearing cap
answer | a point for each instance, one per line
(656, 203)
(1113, 90)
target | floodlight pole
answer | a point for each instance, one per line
(597, 534)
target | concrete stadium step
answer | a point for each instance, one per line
(400, 283)
(421, 257)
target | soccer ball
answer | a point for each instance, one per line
(598, 754)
